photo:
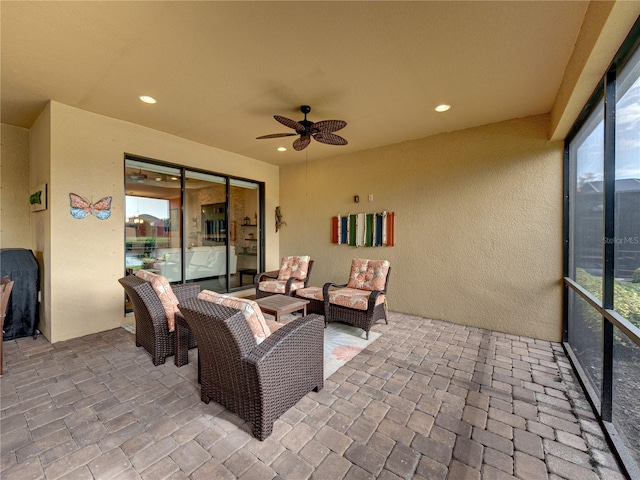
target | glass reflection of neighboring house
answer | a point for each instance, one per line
(589, 227)
(144, 234)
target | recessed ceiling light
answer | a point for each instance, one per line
(443, 108)
(147, 99)
(174, 178)
(158, 179)
(282, 149)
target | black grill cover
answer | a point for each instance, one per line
(22, 312)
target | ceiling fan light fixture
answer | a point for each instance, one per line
(442, 108)
(147, 99)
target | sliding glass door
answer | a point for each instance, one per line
(192, 226)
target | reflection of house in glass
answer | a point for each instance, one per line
(144, 234)
(589, 237)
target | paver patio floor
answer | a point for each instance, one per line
(428, 399)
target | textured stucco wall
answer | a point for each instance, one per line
(478, 229)
(87, 256)
(14, 188)
(40, 172)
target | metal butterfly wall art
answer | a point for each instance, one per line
(81, 208)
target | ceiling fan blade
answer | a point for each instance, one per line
(287, 122)
(330, 138)
(276, 135)
(301, 143)
(328, 126)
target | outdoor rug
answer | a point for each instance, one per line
(341, 344)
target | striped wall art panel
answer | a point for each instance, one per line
(364, 229)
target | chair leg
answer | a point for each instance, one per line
(181, 339)
(157, 360)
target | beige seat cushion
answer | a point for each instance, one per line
(274, 326)
(278, 286)
(353, 298)
(314, 293)
(163, 289)
(250, 309)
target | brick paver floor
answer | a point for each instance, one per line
(427, 400)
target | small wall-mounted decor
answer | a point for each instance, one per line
(81, 208)
(279, 221)
(364, 229)
(38, 198)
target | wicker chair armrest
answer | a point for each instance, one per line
(290, 281)
(185, 290)
(327, 286)
(373, 297)
(286, 339)
(263, 275)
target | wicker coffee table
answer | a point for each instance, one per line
(278, 305)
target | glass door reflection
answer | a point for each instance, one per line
(244, 207)
(208, 232)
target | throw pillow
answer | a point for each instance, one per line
(249, 308)
(163, 289)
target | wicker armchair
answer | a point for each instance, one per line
(152, 331)
(280, 283)
(258, 382)
(361, 301)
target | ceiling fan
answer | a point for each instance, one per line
(321, 131)
(137, 176)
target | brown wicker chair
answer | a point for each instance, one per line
(257, 382)
(364, 319)
(152, 331)
(266, 276)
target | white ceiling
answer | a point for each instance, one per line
(221, 70)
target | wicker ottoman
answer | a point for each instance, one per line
(314, 295)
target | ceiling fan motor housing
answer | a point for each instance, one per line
(305, 123)
(307, 127)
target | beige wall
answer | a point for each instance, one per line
(14, 188)
(86, 257)
(478, 223)
(479, 218)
